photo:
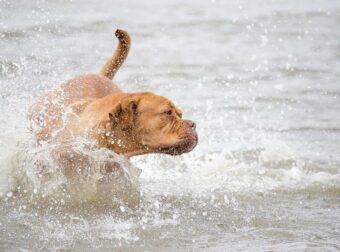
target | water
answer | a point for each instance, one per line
(260, 79)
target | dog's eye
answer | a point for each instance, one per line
(168, 112)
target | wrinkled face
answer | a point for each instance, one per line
(156, 125)
(161, 127)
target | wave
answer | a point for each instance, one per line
(54, 28)
(273, 168)
(31, 172)
(9, 68)
(14, 33)
(304, 129)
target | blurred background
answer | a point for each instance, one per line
(261, 80)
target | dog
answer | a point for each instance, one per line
(91, 106)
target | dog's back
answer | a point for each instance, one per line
(54, 112)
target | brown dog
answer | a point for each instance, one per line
(91, 106)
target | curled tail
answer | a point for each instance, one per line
(113, 64)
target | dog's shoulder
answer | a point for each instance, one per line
(89, 85)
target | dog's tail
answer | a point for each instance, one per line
(113, 64)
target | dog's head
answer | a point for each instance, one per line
(147, 123)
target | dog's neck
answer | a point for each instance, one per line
(113, 138)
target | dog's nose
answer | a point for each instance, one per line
(191, 124)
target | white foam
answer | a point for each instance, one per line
(7, 163)
(276, 167)
(32, 171)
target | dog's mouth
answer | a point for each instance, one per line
(187, 145)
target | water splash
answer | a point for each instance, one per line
(36, 173)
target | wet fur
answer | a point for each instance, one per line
(91, 106)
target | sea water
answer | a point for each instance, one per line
(260, 79)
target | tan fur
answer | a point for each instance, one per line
(113, 64)
(92, 107)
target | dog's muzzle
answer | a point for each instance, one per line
(189, 140)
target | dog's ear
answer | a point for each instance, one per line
(124, 114)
